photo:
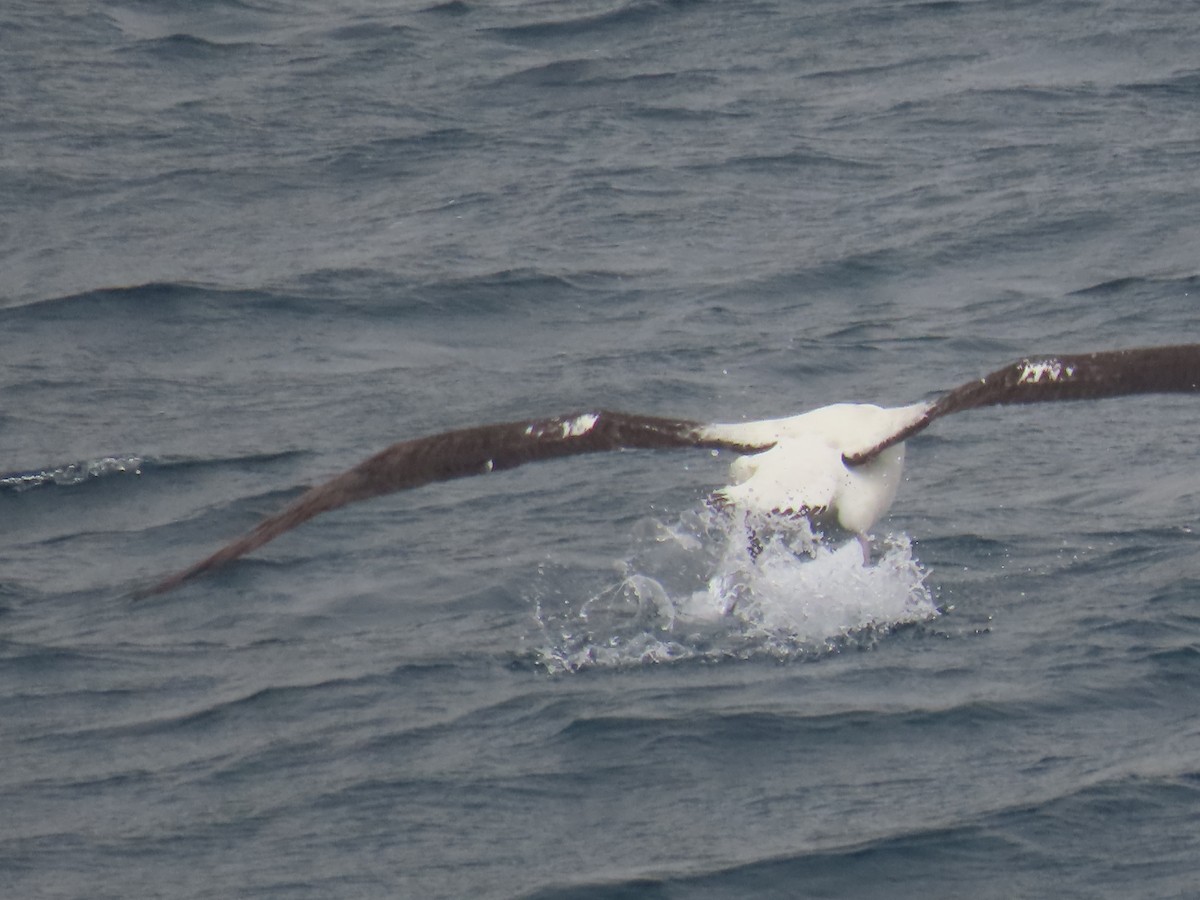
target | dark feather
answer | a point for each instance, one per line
(1083, 376)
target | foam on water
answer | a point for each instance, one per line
(73, 473)
(691, 590)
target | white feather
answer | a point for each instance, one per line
(805, 471)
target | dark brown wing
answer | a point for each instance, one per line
(457, 454)
(1083, 376)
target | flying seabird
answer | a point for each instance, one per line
(840, 464)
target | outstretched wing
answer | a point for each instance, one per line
(457, 454)
(1083, 376)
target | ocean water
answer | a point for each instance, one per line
(245, 244)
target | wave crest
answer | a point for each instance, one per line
(72, 473)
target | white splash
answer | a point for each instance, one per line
(691, 591)
(1045, 370)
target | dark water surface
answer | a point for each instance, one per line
(244, 244)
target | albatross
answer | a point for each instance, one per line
(839, 464)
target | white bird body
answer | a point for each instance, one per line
(804, 471)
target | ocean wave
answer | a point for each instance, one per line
(1185, 83)
(1138, 283)
(76, 473)
(960, 855)
(625, 16)
(164, 297)
(72, 473)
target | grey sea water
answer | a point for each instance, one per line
(245, 244)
